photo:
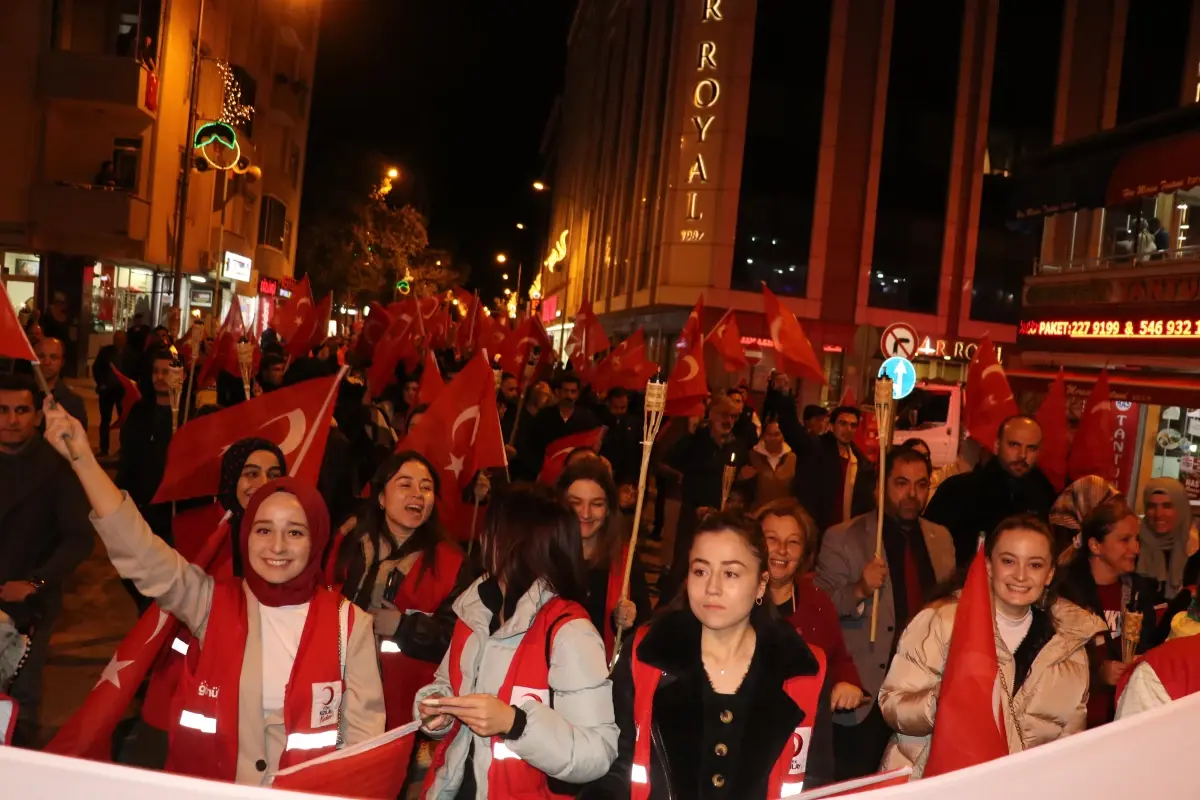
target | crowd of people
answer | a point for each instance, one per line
(540, 655)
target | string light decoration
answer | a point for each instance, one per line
(535, 291)
(233, 110)
(558, 253)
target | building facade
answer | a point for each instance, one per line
(856, 156)
(90, 200)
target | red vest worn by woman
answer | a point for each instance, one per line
(787, 776)
(616, 577)
(422, 591)
(204, 736)
(510, 778)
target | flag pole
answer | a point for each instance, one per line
(883, 420)
(195, 338)
(45, 389)
(535, 354)
(655, 405)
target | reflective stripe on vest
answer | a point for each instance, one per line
(388, 646)
(791, 789)
(180, 646)
(312, 741)
(198, 722)
(500, 752)
(638, 774)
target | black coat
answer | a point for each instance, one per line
(974, 502)
(819, 476)
(672, 644)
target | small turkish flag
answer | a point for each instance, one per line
(431, 384)
(224, 352)
(312, 330)
(396, 344)
(792, 348)
(727, 340)
(128, 399)
(559, 449)
(519, 348)
(1052, 417)
(1092, 449)
(373, 770)
(13, 341)
(989, 397)
(687, 388)
(288, 318)
(296, 418)
(373, 329)
(625, 365)
(587, 337)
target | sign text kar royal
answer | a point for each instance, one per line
(705, 95)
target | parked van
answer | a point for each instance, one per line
(933, 412)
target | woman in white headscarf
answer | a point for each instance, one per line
(1071, 508)
(1166, 534)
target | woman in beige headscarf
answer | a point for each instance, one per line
(1166, 536)
(1071, 508)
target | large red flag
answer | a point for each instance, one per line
(431, 384)
(617, 368)
(289, 317)
(88, 733)
(587, 337)
(312, 330)
(792, 349)
(687, 388)
(727, 340)
(224, 351)
(374, 327)
(519, 348)
(372, 770)
(989, 397)
(1092, 450)
(398, 343)
(559, 449)
(966, 732)
(461, 435)
(1052, 417)
(297, 419)
(132, 395)
(13, 341)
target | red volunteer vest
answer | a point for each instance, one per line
(204, 735)
(787, 776)
(424, 592)
(510, 778)
(616, 577)
(1177, 665)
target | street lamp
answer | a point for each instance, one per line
(538, 186)
(393, 173)
(501, 258)
(520, 226)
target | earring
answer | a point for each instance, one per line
(758, 601)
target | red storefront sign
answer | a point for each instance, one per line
(1125, 441)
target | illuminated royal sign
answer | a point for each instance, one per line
(1145, 328)
(705, 95)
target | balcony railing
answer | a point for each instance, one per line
(1173, 257)
(90, 212)
(99, 79)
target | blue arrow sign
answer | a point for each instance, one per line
(903, 375)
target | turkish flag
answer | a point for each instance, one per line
(559, 449)
(437, 323)
(866, 438)
(289, 318)
(727, 340)
(88, 733)
(518, 350)
(296, 418)
(687, 388)
(374, 327)
(1052, 417)
(989, 397)
(691, 326)
(132, 395)
(224, 351)
(966, 732)
(13, 341)
(373, 770)
(1092, 450)
(792, 349)
(312, 330)
(431, 384)
(587, 337)
(474, 329)
(625, 366)
(460, 435)
(397, 343)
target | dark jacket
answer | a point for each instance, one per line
(622, 445)
(702, 462)
(145, 439)
(974, 502)
(678, 751)
(45, 532)
(549, 426)
(102, 371)
(818, 480)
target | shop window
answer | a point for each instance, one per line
(127, 158)
(1177, 449)
(273, 227)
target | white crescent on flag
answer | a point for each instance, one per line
(470, 413)
(693, 368)
(297, 427)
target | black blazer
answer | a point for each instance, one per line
(672, 644)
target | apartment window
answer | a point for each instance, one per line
(127, 157)
(918, 137)
(1020, 124)
(783, 141)
(1152, 66)
(274, 230)
(249, 88)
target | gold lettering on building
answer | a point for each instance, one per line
(712, 11)
(692, 214)
(702, 127)
(691, 235)
(708, 56)
(698, 170)
(706, 94)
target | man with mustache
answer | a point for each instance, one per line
(972, 503)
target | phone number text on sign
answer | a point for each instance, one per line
(1112, 329)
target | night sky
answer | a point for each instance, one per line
(457, 94)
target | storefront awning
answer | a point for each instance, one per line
(1142, 159)
(1149, 388)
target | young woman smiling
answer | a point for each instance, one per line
(718, 697)
(399, 566)
(590, 492)
(286, 670)
(1040, 646)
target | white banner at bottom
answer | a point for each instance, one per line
(1107, 762)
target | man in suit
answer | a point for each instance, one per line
(918, 556)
